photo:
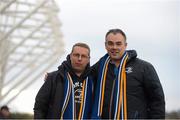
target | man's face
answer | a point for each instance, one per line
(115, 46)
(79, 58)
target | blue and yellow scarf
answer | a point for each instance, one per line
(68, 109)
(119, 95)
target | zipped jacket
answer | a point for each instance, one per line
(145, 97)
(50, 98)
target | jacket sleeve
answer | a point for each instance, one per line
(154, 93)
(42, 99)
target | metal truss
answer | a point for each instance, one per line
(30, 43)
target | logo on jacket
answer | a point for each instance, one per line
(78, 92)
(129, 70)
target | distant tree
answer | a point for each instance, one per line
(169, 115)
(21, 116)
(173, 115)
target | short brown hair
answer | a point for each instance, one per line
(115, 31)
(84, 45)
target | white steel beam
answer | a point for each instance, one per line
(23, 20)
(15, 47)
(53, 60)
(3, 8)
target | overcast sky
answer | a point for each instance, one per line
(152, 28)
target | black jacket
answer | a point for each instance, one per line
(145, 97)
(49, 100)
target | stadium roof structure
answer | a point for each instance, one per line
(30, 42)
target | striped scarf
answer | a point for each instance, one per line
(69, 109)
(119, 95)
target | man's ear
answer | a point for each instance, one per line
(45, 76)
(70, 56)
(126, 44)
(105, 45)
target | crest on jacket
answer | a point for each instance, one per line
(129, 70)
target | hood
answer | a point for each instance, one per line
(131, 54)
(66, 65)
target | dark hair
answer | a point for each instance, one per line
(84, 45)
(5, 107)
(115, 31)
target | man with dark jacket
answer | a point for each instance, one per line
(126, 86)
(67, 92)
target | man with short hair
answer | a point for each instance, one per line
(67, 92)
(126, 86)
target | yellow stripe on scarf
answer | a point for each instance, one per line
(82, 100)
(123, 92)
(103, 87)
